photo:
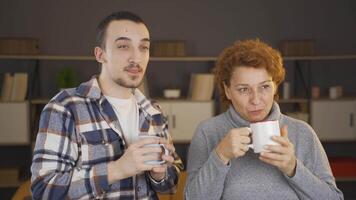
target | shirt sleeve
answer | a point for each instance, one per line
(313, 179)
(55, 171)
(206, 172)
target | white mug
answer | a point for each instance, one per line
(262, 133)
(165, 151)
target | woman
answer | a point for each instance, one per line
(220, 163)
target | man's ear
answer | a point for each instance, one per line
(99, 55)
(227, 91)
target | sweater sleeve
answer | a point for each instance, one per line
(313, 178)
(206, 172)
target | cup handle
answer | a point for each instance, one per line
(250, 145)
(166, 152)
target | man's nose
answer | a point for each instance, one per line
(135, 56)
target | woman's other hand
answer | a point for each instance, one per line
(281, 156)
(234, 144)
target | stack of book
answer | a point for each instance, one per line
(168, 48)
(19, 46)
(14, 87)
(304, 47)
(201, 87)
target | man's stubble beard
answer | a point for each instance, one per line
(124, 83)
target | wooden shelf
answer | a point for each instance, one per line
(39, 101)
(293, 100)
(326, 57)
(163, 59)
(189, 58)
(47, 57)
(92, 58)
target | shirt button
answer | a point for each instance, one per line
(103, 142)
(138, 188)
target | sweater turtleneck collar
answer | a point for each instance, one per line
(237, 121)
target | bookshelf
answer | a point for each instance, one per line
(335, 149)
(296, 59)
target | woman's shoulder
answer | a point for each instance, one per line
(211, 130)
(298, 128)
(213, 122)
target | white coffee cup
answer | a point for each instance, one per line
(158, 156)
(262, 133)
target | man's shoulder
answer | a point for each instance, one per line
(65, 100)
(65, 96)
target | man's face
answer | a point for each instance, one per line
(126, 54)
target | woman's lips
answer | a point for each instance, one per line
(256, 112)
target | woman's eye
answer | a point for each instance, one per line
(243, 90)
(266, 86)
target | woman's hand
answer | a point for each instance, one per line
(234, 144)
(281, 156)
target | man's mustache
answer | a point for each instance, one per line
(132, 65)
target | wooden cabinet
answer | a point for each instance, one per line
(184, 116)
(14, 123)
(334, 120)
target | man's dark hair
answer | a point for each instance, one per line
(121, 15)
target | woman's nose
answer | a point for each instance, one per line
(255, 97)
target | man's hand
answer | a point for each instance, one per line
(159, 172)
(133, 160)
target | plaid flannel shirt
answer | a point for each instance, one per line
(78, 135)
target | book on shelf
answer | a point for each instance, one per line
(14, 87)
(201, 87)
(6, 89)
(19, 87)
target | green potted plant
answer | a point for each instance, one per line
(66, 78)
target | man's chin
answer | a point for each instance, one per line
(129, 84)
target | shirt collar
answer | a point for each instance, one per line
(91, 90)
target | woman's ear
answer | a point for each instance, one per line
(275, 87)
(99, 55)
(227, 91)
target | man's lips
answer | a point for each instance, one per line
(133, 70)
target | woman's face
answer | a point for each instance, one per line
(251, 92)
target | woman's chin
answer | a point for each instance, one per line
(256, 118)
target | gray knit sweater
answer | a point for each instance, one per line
(249, 178)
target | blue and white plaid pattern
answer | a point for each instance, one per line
(78, 135)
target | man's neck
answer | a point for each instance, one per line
(112, 89)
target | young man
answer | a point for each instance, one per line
(87, 146)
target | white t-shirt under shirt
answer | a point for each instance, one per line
(126, 111)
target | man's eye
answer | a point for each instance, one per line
(145, 47)
(123, 46)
